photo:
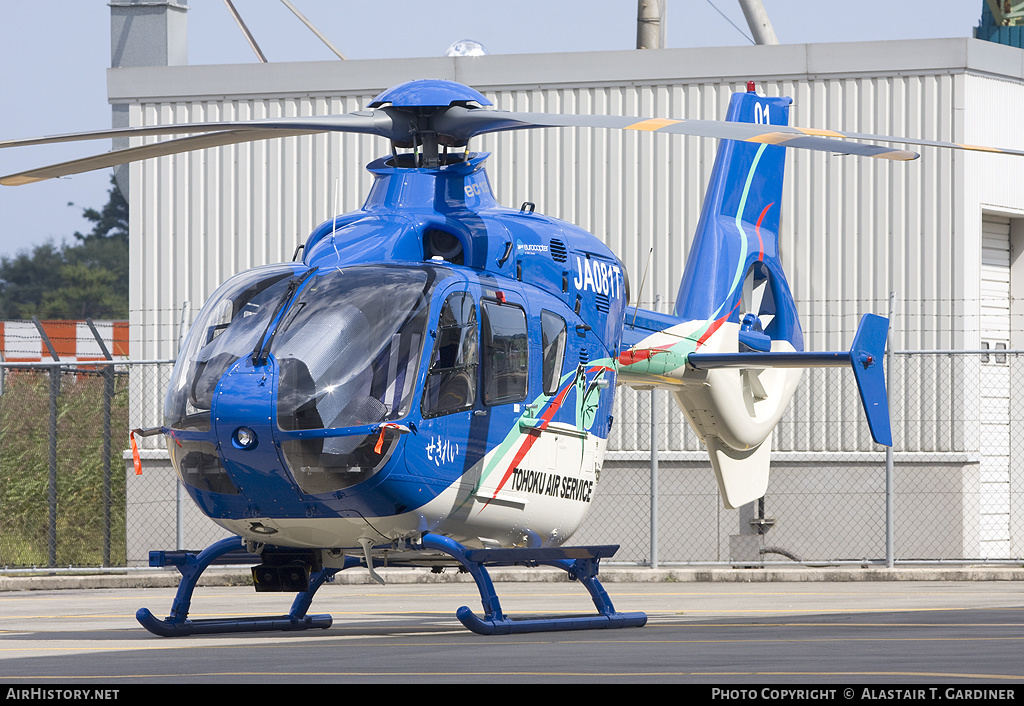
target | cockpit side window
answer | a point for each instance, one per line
(505, 353)
(348, 352)
(452, 375)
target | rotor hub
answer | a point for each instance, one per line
(429, 93)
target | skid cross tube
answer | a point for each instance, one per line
(191, 566)
(581, 563)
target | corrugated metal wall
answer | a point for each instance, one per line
(853, 229)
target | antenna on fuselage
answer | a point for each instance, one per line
(334, 227)
(640, 293)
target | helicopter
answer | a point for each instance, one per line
(432, 383)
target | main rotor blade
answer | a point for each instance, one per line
(133, 154)
(378, 122)
(456, 125)
(463, 123)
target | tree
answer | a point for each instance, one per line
(88, 279)
(112, 222)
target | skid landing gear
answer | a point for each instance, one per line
(191, 566)
(581, 563)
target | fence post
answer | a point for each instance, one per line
(179, 514)
(52, 481)
(108, 398)
(179, 488)
(654, 478)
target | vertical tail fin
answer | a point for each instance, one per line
(733, 267)
(735, 287)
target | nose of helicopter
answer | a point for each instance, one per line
(243, 421)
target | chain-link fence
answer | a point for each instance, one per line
(63, 439)
(61, 481)
(949, 491)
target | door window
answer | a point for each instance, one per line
(451, 378)
(552, 332)
(505, 352)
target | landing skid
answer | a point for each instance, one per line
(191, 566)
(581, 563)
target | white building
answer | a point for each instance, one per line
(941, 232)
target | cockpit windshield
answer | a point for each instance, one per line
(348, 347)
(348, 352)
(227, 328)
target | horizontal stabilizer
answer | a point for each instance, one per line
(865, 356)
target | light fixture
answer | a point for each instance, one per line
(466, 47)
(244, 438)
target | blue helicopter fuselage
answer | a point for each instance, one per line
(435, 363)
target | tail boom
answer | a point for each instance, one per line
(733, 400)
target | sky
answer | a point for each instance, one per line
(54, 55)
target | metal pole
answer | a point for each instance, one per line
(52, 482)
(108, 398)
(648, 24)
(314, 30)
(52, 478)
(654, 478)
(179, 516)
(890, 553)
(654, 465)
(757, 20)
(45, 337)
(179, 489)
(245, 30)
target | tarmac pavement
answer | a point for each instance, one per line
(146, 577)
(720, 627)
